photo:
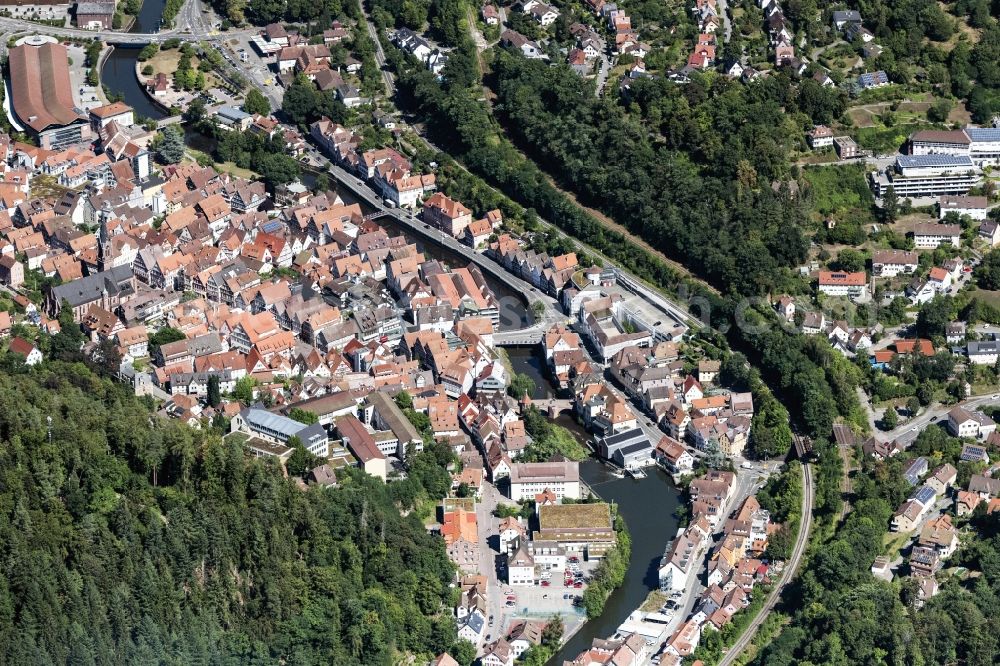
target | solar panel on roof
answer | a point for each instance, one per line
(924, 494)
(934, 161)
(983, 133)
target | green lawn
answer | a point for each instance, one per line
(838, 187)
(988, 297)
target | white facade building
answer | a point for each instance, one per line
(928, 175)
(529, 479)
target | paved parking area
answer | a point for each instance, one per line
(86, 97)
(542, 602)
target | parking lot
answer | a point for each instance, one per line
(86, 97)
(551, 594)
(541, 602)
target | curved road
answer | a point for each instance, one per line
(793, 565)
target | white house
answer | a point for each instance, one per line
(974, 207)
(529, 479)
(820, 136)
(890, 263)
(521, 566)
(32, 355)
(983, 352)
(971, 424)
(929, 236)
(471, 627)
(840, 283)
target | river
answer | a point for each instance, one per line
(513, 313)
(118, 73)
(648, 507)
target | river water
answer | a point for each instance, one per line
(648, 507)
(150, 17)
(513, 313)
(118, 73)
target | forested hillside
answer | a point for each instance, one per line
(703, 194)
(844, 616)
(127, 539)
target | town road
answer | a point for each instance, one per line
(489, 527)
(727, 25)
(906, 433)
(195, 32)
(786, 576)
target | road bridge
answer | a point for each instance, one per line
(522, 337)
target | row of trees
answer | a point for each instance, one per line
(610, 573)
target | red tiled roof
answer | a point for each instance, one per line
(848, 279)
(921, 345)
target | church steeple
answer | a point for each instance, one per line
(104, 239)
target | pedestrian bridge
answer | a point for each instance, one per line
(172, 120)
(524, 337)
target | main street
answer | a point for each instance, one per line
(746, 483)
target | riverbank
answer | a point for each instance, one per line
(647, 508)
(144, 86)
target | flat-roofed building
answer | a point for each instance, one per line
(41, 96)
(529, 479)
(928, 175)
(585, 528)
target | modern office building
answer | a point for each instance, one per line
(980, 144)
(928, 175)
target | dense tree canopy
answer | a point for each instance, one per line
(129, 539)
(695, 197)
